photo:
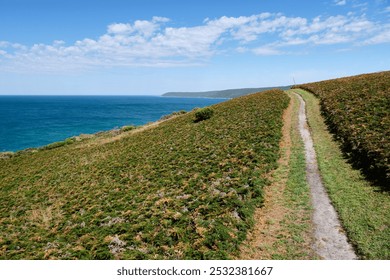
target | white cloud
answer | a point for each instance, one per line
(153, 43)
(261, 25)
(381, 38)
(116, 28)
(331, 30)
(266, 51)
(340, 2)
(4, 44)
(144, 27)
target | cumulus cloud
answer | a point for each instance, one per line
(117, 28)
(154, 43)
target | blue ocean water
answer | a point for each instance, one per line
(34, 121)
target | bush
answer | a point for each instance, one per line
(54, 145)
(203, 114)
(127, 128)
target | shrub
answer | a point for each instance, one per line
(203, 114)
(54, 145)
(127, 128)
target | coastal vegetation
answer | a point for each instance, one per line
(177, 190)
(357, 111)
(363, 206)
(222, 182)
(203, 114)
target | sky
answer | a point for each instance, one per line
(148, 47)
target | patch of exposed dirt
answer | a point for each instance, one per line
(330, 240)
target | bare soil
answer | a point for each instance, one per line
(330, 241)
(267, 239)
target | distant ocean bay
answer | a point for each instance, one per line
(34, 121)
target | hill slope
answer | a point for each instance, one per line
(357, 109)
(179, 190)
(228, 93)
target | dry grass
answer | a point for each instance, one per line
(274, 235)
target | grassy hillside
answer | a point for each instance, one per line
(179, 190)
(363, 207)
(228, 93)
(357, 109)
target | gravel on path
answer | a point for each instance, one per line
(330, 240)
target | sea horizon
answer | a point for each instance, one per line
(32, 121)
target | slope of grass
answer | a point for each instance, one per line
(363, 208)
(179, 190)
(357, 110)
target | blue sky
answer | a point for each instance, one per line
(154, 46)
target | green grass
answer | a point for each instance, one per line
(284, 229)
(363, 208)
(179, 190)
(357, 110)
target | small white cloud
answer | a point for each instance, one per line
(266, 51)
(119, 28)
(160, 19)
(329, 39)
(340, 2)
(381, 38)
(241, 50)
(58, 43)
(4, 44)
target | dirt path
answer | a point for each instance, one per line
(282, 227)
(330, 240)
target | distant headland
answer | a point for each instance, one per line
(227, 93)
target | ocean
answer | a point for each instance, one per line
(35, 121)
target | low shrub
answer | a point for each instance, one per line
(127, 128)
(59, 144)
(203, 114)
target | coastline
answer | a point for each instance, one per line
(36, 121)
(100, 137)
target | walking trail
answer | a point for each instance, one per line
(330, 240)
